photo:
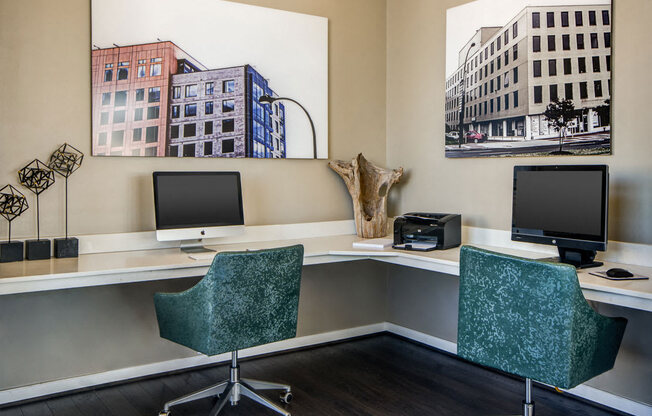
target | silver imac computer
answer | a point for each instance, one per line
(192, 206)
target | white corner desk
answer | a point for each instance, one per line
(145, 265)
(141, 265)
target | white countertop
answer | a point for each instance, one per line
(146, 265)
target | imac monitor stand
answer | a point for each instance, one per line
(191, 206)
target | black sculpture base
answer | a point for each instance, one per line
(11, 251)
(37, 249)
(66, 247)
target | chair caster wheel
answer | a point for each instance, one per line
(286, 397)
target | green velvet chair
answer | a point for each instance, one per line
(530, 318)
(246, 299)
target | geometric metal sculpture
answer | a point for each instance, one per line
(12, 204)
(37, 177)
(64, 161)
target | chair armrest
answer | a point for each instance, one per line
(177, 315)
(610, 335)
(596, 342)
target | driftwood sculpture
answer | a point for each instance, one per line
(368, 185)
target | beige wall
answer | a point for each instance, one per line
(480, 189)
(45, 101)
(44, 68)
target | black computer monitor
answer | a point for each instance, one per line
(197, 205)
(565, 206)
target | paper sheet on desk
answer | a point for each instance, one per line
(374, 243)
(604, 275)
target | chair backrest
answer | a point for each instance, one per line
(530, 318)
(245, 299)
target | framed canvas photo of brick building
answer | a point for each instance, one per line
(207, 78)
(528, 78)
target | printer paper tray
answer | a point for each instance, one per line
(416, 246)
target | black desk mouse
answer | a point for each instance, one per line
(618, 272)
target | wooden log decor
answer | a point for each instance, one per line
(369, 186)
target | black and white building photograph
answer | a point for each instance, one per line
(528, 78)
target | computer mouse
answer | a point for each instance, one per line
(618, 272)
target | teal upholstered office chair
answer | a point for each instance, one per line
(529, 318)
(246, 299)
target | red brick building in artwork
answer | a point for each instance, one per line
(130, 99)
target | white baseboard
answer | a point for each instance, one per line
(75, 383)
(421, 337)
(611, 400)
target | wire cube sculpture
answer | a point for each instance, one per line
(36, 176)
(66, 160)
(12, 202)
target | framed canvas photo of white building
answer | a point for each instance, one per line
(207, 78)
(528, 78)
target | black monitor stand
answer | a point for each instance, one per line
(580, 258)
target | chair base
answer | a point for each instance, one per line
(528, 403)
(232, 390)
(528, 409)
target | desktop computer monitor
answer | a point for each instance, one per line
(565, 206)
(197, 205)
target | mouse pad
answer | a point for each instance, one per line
(604, 275)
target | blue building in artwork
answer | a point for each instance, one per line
(265, 124)
(217, 113)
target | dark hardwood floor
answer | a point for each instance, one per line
(376, 376)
